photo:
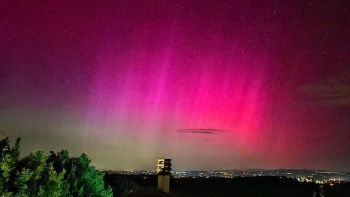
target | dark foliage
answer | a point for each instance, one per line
(55, 175)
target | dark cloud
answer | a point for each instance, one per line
(333, 91)
(200, 131)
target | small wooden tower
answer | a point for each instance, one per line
(164, 173)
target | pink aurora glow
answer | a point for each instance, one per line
(124, 77)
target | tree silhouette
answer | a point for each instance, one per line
(55, 175)
(8, 159)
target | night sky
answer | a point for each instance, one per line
(210, 84)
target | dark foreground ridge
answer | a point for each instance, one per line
(145, 185)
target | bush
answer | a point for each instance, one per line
(55, 175)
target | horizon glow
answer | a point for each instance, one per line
(211, 85)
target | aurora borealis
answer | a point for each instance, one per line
(210, 84)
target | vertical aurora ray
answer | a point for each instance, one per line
(249, 83)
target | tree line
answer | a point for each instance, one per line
(56, 174)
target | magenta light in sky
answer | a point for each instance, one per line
(250, 84)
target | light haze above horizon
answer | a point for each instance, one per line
(210, 84)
